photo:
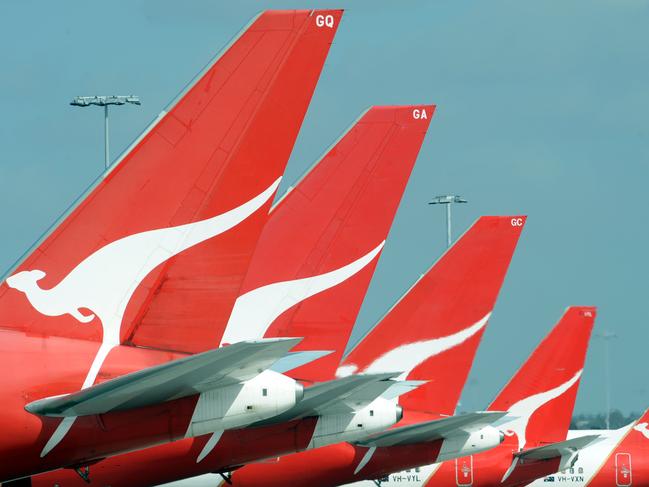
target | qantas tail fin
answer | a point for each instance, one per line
(317, 254)
(541, 396)
(627, 445)
(434, 330)
(164, 238)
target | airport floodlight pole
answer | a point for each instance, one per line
(607, 336)
(105, 101)
(447, 200)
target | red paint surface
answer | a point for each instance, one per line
(458, 291)
(632, 451)
(224, 142)
(555, 361)
(330, 219)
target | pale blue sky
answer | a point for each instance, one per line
(543, 109)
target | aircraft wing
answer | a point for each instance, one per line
(172, 380)
(432, 430)
(554, 450)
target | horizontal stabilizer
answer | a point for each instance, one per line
(432, 430)
(325, 397)
(363, 395)
(172, 380)
(554, 450)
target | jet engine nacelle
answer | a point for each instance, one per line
(377, 416)
(264, 396)
(469, 443)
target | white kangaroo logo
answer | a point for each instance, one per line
(105, 281)
(256, 310)
(408, 356)
(525, 408)
(42, 300)
(642, 428)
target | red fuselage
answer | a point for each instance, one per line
(49, 366)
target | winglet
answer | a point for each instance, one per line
(297, 359)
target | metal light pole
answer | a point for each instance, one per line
(104, 101)
(607, 336)
(447, 200)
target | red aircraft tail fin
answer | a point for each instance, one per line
(158, 248)
(433, 331)
(625, 463)
(541, 395)
(317, 254)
